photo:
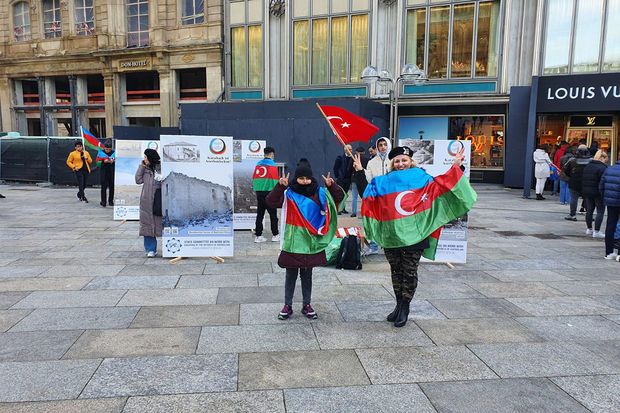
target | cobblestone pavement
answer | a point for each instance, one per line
(87, 323)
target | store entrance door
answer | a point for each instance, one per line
(603, 136)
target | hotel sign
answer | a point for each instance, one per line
(579, 93)
(126, 65)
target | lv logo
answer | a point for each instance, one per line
(591, 120)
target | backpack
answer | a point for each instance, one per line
(350, 254)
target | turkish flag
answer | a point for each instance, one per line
(350, 127)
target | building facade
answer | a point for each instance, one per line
(100, 63)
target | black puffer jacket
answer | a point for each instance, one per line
(592, 177)
(574, 170)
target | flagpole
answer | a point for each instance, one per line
(334, 130)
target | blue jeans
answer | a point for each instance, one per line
(556, 186)
(564, 193)
(354, 200)
(150, 244)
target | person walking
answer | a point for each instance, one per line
(149, 175)
(574, 171)
(354, 192)
(557, 155)
(79, 161)
(541, 170)
(264, 179)
(389, 217)
(610, 191)
(343, 169)
(592, 174)
(105, 161)
(310, 222)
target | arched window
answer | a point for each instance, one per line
(84, 17)
(193, 12)
(52, 26)
(21, 21)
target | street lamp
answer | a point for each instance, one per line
(409, 73)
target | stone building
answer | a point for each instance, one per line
(66, 63)
(194, 199)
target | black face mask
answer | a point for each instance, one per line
(305, 190)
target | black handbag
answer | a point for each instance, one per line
(157, 203)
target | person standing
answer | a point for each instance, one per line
(309, 215)
(592, 174)
(343, 169)
(380, 164)
(564, 190)
(372, 152)
(264, 179)
(574, 171)
(79, 161)
(354, 192)
(105, 161)
(610, 191)
(149, 175)
(557, 155)
(541, 170)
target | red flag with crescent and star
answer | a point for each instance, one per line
(349, 127)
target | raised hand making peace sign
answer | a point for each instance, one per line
(284, 179)
(357, 162)
(329, 181)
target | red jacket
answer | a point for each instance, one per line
(558, 154)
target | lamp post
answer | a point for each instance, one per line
(409, 73)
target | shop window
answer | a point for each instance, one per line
(52, 25)
(21, 21)
(193, 12)
(192, 84)
(588, 36)
(84, 17)
(246, 43)
(454, 40)
(330, 41)
(142, 86)
(486, 134)
(137, 23)
(550, 130)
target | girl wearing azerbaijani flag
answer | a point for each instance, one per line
(308, 225)
(404, 211)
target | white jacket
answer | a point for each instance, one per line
(377, 166)
(541, 170)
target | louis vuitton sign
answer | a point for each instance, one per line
(579, 93)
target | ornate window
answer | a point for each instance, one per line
(52, 25)
(137, 23)
(21, 21)
(193, 12)
(84, 17)
(246, 42)
(330, 41)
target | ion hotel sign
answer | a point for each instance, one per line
(126, 65)
(579, 93)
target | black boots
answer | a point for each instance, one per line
(392, 316)
(403, 314)
(539, 197)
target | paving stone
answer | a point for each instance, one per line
(515, 289)
(378, 310)
(597, 393)
(10, 298)
(520, 276)
(18, 271)
(587, 287)
(135, 342)
(476, 330)
(347, 277)
(572, 327)
(36, 345)
(236, 295)
(349, 293)
(163, 375)
(478, 308)
(239, 402)
(66, 406)
(43, 284)
(82, 270)
(277, 279)
(169, 297)
(590, 275)
(64, 299)
(138, 282)
(8, 318)
(255, 338)
(608, 300)
(77, 318)
(267, 313)
(609, 350)
(238, 268)
(292, 369)
(456, 275)
(378, 398)
(44, 380)
(447, 290)
(420, 364)
(540, 359)
(550, 306)
(170, 269)
(187, 316)
(365, 335)
(500, 396)
(215, 281)
(615, 318)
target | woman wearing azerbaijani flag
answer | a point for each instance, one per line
(308, 226)
(404, 211)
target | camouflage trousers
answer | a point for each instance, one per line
(404, 267)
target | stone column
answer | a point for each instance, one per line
(113, 101)
(167, 98)
(5, 105)
(81, 92)
(214, 82)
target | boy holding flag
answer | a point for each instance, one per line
(264, 179)
(79, 161)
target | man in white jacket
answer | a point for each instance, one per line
(380, 164)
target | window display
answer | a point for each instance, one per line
(486, 134)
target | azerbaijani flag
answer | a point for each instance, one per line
(90, 140)
(102, 155)
(307, 226)
(404, 207)
(265, 175)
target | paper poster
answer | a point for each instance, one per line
(129, 154)
(197, 196)
(436, 157)
(246, 153)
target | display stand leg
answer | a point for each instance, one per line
(123, 221)
(449, 265)
(175, 260)
(219, 260)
